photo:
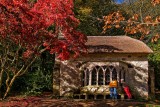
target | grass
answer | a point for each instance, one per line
(152, 105)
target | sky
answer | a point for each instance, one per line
(119, 1)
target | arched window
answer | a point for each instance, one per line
(107, 76)
(114, 74)
(111, 68)
(94, 76)
(123, 73)
(100, 77)
(85, 77)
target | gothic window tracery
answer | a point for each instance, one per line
(99, 75)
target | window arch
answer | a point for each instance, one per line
(85, 77)
(94, 77)
(122, 75)
(107, 77)
(111, 67)
(114, 74)
(100, 77)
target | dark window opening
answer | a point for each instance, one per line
(87, 77)
(94, 76)
(120, 77)
(114, 74)
(100, 77)
(130, 66)
(107, 77)
(83, 78)
(104, 68)
(124, 76)
(123, 59)
(111, 67)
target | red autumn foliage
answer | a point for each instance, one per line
(27, 24)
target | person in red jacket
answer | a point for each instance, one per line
(127, 90)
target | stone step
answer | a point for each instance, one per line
(97, 96)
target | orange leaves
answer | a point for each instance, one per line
(111, 20)
(157, 19)
(155, 38)
(117, 26)
(155, 2)
(148, 19)
(137, 24)
(135, 17)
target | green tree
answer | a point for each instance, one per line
(90, 13)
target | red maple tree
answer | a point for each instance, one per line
(28, 23)
(28, 28)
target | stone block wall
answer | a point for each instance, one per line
(137, 79)
(70, 78)
(56, 80)
(136, 66)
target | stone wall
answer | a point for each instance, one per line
(56, 80)
(135, 65)
(137, 79)
(70, 78)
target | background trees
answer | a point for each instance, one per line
(142, 22)
(90, 14)
(149, 11)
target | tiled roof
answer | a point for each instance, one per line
(116, 44)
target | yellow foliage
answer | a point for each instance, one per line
(85, 10)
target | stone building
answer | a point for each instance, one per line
(119, 57)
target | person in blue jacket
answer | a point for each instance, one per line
(113, 89)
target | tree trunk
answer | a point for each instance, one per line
(19, 73)
(9, 86)
(1, 77)
(152, 81)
